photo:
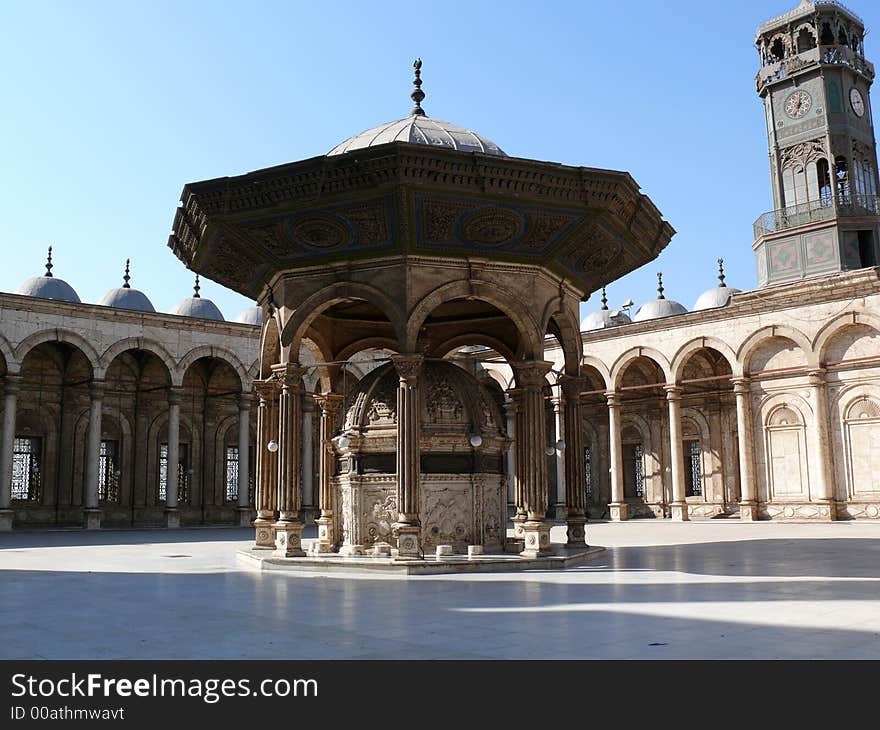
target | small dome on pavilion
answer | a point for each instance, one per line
(251, 315)
(659, 307)
(196, 306)
(124, 297)
(717, 296)
(48, 286)
(418, 128)
(604, 317)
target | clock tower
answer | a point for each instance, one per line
(815, 84)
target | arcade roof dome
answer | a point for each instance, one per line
(604, 317)
(195, 306)
(717, 296)
(251, 315)
(48, 286)
(124, 297)
(659, 307)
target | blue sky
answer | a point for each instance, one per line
(110, 107)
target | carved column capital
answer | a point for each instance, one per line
(289, 374)
(408, 367)
(816, 377)
(572, 385)
(613, 398)
(531, 373)
(266, 389)
(245, 401)
(12, 384)
(174, 396)
(328, 402)
(741, 386)
(673, 392)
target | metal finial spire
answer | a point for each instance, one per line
(721, 272)
(604, 299)
(660, 285)
(418, 95)
(126, 278)
(49, 263)
(196, 288)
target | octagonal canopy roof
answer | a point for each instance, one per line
(419, 129)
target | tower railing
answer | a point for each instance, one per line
(816, 211)
(837, 55)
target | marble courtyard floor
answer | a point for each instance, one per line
(710, 589)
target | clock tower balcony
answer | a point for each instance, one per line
(816, 211)
(801, 62)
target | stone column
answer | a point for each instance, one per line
(510, 415)
(824, 478)
(559, 460)
(617, 507)
(676, 454)
(172, 515)
(11, 387)
(288, 528)
(519, 510)
(267, 463)
(530, 376)
(92, 512)
(748, 506)
(244, 466)
(573, 457)
(329, 404)
(408, 526)
(308, 466)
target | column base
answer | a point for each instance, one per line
(748, 511)
(618, 511)
(408, 543)
(172, 518)
(560, 513)
(92, 519)
(326, 543)
(245, 516)
(827, 510)
(264, 534)
(351, 550)
(288, 540)
(6, 517)
(537, 539)
(576, 533)
(518, 521)
(679, 512)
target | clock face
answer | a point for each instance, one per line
(856, 101)
(798, 103)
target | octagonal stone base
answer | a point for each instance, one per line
(576, 534)
(172, 518)
(288, 540)
(536, 534)
(408, 544)
(264, 534)
(748, 511)
(6, 516)
(92, 519)
(618, 511)
(679, 511)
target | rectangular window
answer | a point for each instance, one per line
(588, 473)
(26, 453)
(633, 471)
(693, 469)
(232, 473)
(183, 475)
(108, 472)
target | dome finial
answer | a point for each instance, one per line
(418, 95)
(660, 285)
(49, 263)
(196, 288)
(126, 278)
(604, 299)
(721, 273)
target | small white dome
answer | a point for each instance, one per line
(604, 318)
(657, 308)
(716, 297)
(48, 287)
(251, 315)
(127, 298)
(197, 307)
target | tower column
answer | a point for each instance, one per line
(559, 457)
(617, 507)
(92, 512)
(530, 376)
(510, 416)
(11, 388)
(308, 466)
(172, 461)
(267, 463)
(408, 526)
(748, 506)
(824, 493)
(244, 471)
(676, 453)
(328, 403)
(573, 456)
(288, 528)
(517, 396)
